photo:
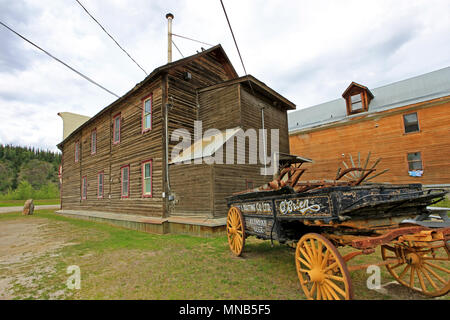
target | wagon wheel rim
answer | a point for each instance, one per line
(422, 269)
(321, 269)
(235, 231)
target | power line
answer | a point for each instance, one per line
(111, 37)
(177, 48)
(237, 47)
(177, 35)
(62, 62)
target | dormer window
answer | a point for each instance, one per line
(356, 102)
(357, 98)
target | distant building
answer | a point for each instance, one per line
(406, 123)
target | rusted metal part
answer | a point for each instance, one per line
(290, 174)
(372, 242)
(354, 254)
(381, 263)
(425, 236)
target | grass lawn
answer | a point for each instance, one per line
(18, 203)
(117, 263)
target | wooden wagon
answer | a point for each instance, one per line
(317, 217)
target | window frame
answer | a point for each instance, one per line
(122, 196)
(102, 173)
(144, 194)
(404, 124)
(94, 141)
(408, 161)
(145, 99)
(119, 115)
(247, 184)
(84, 187)
(362, 108)
(77, 151)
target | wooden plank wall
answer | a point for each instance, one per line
(229, 179)
(206, 71)
(384, 137)
(133, 148)
(220, 108)
(274, 118)
(192, 187)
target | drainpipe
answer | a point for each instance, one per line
(166, 120)
(264, 141)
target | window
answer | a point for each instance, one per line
(84, 188)
(94, 141)
(125, 175)
(411, 122)
(415, 161)
(147, 178)
(100, 180)
(147, 114)
(356, 102)
(116, 129)
(248, 184)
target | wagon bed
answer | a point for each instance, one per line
(320, 216)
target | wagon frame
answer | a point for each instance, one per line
(414, 246)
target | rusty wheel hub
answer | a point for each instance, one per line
(413, 259)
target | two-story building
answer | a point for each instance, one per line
(117, 166)
(406, 124)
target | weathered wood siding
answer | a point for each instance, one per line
(220, 108)
(274, 118)
(134, 148)
(192, 187)
(206, 70)
(385, 137)
(229, 179)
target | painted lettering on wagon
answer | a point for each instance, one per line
(302, 206)
(257, 207)
(257, 225)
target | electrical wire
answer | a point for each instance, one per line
(111, 37)
(237, 47)
(177, 48)
(177, 35)
(62, 62)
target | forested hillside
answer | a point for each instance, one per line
(26, 172)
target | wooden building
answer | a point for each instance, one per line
(406, 123)
(116, 166)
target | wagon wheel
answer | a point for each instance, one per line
(321, 270)
(423, 269)
(235, 231)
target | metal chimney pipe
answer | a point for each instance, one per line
(169, 17)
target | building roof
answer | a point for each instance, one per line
(257, 86)
(205, 146)
(417, 89)
(158, 71)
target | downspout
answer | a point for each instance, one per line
(264, 141)
(166, 120)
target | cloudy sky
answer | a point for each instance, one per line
(309, 50)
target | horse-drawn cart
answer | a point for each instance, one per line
(320, 216)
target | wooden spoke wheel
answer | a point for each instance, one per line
(235, 231)
(423, 269)
(321, 270)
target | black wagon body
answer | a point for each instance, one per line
(277, 214)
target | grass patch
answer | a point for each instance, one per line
(444, 203)
(118, 263)
(18, 203)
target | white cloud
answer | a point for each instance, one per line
(309, 51)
